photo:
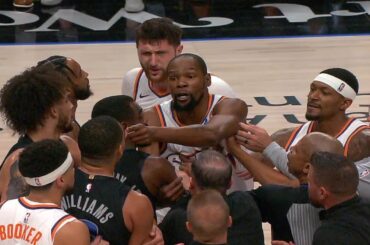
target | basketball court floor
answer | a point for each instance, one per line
(268, 51)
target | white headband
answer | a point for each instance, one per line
(50, 177)
(337, 84)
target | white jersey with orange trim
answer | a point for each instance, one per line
(25, 222)
(174, 152)
(136, 85)
(345, 135)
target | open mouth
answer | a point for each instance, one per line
(313, 106)
(182, 97)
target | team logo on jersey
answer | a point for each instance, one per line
(26, 217)
(88, 187)
(341, 87)
(141, 95)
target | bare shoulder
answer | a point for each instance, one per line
(157, 172)
(282, 136)
(231, 106)
(161, 168)
(359, 146)
(157, 162)
(151, 117)
(74, 232)
(136, 209)
(136, 201)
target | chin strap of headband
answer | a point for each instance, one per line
(51, 177)
(337, 84)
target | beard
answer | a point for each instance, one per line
(189, 106)
(83, 94)
(312, 117)
(64, 125)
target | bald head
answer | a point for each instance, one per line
(211, 170)
(300, 154)
(317, 141)
(208, 216)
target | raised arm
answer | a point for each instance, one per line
(223, 123)
(257, 139)
(261, 172)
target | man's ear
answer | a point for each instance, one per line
(124, 127)
(179, 49)
(191, 183)
(306, 168)
(60, 182)
(229, 221)
(207, 78)
(120, 151)
(53, 112)
(189, 226)
(345, 104)
(324, 193)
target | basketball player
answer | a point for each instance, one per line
(77, 77)
(110, 208)
(158, 40)
(193, 117)
(36, 105)
(326, 108)
(37, 218)
(147, 174)
(331, 94)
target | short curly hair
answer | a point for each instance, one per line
(26, 99)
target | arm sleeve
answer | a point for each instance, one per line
(279, 158)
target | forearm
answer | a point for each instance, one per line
(261, 172)
(193, 135)
(279, 158)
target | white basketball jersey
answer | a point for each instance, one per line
(25, 222)
(136, 85)
(351, 128)
(174, 152)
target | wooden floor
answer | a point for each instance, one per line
(272, 68)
